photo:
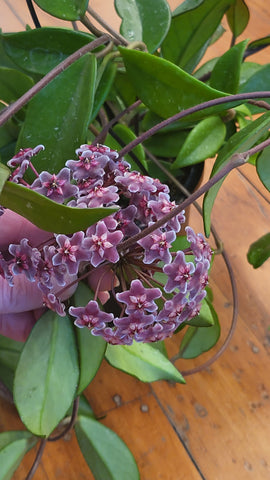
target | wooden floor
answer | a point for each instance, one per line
(217, 426)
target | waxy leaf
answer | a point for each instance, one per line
(164, 87)
(91, 348)
(140, 19)
(106, 454)
(10, 351)
(49, 215)
(257, 45)
(4, 175)
(142, 361)
(239, 142)
(259, 251)
(13, 446)
(47, 374)
(58, 115)
(103, 88)
(166, 144)
(13, 84)
(263, 167)
(65, 9)
(204, 140)
(192, 27)
(198, 340)
(205, 317)
(238, 17)
(258, 82)
(226, 72)
(40, 50)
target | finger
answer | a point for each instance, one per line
(17, 325)
(14, 227)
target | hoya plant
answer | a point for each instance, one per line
(103, 139)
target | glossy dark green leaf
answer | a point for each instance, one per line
(58, 115)
(142, 361)
(103, 89)
(225, 75)
(47, 374)
(10, 351)
(91, 348)
(239, 142)
(4, 175)
(106, 454)
(65, 9)
(13, 446)
(192, 27)
(141, 18)
(258, 82)
(248, 69)
(198, 340)
(126, 135)
(13, 84)
(259, 251)
(204, 141)
(263, 167)
(165, 88)
(124, 88)
(49, 215)
(258, 45)
(238, 17)
(166, 144)
(40, 50)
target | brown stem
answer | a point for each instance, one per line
(71, 423)
(184, 113)
(102, 134)
(107, 27)
(36, 463)
(236, 161)
(18, 104)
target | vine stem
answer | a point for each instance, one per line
(107, 27)
(18, 104)
(237, 160)
(184, 113)
(36, 463)
(70, 424)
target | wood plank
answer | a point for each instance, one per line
(219, 413)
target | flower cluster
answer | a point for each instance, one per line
(142, 291)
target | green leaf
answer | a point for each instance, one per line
(65, 9)
(13, 84)
(142, 361)
(259, 251)
(166, 144)
(192, 27)
(247, 70)
(47, 374)
(198, 340)
(258, 82)
(204, 141)
(165, 88)
(4, 175)
(124, 88)
(226, 72)
(263, 167)
(103, 89)
(10, 351)
(106, 454)
(58, 115)
(258, 45)
(239, 142)
(91, 348)
(205, 317)
(126, 135)
(238, 17)
(40, 50)
(140, 19)
(49, 215)
(13, 446)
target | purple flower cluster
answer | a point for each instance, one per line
(132, 300)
